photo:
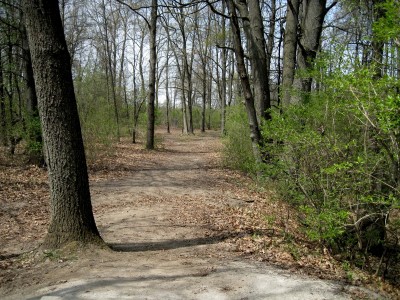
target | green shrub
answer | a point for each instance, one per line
(337, 159)
(237, 153)
(33, 137)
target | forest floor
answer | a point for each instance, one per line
(180, 226)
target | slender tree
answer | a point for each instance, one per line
(152, 80)
(3, 123)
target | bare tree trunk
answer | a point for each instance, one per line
(184, 107)
(269, 51)
(152, 79)
(311, 28)
(231, 73)
(255, 133)
(209, 97)
(71, 209)
(135, 106)
(377, 46)
(121, 78)
(223, 72)
(10, 89)
(3, 122)
(167, 97)
(189, 72)
(279, 67)
(289, 50)
(254, 29)
(111, 65)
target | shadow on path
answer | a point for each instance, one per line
(168, 244)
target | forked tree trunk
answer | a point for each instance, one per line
(71, 209)
(254, 29)
(308, 45)
(255, 133)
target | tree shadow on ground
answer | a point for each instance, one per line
(169, 244)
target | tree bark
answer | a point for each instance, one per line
(167, 97)
(269, 51)
(308, 46)
(223, 73)
(289, 50)
(254, 29)
(377, 45)
(3, 122)
(152, 79)
(71, 209)
(255, 133)
(111, 53)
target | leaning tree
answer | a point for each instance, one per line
(71, 209)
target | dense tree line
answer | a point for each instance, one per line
(306, 94)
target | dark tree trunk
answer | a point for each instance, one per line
(204, 98)
(3, 122)
(168, 100)
(71, 209)
(270, 49)
(255, 133)
(209, 98)
(311, 28)
(289, 50)
(254, 29)
(152, 80)
(223, 74)
(377, 45)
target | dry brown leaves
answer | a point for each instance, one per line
(253, 223)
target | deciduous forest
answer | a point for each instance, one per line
(301, 97)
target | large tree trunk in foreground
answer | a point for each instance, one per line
(71, 209)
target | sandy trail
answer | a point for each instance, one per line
(159, 255)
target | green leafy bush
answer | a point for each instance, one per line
(337, 158)
(33, 137)
(237, 151)
(96, 114)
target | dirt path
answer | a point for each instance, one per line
(166, 248)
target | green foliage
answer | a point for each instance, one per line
(214, 116)
(96, 114)
(388, 27)
(33, 137)
(237, 151)
(337, 159)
